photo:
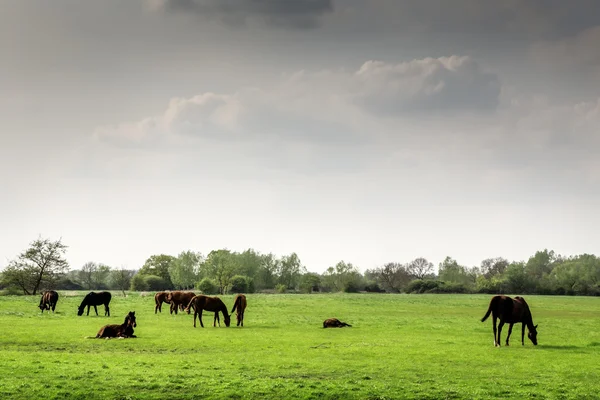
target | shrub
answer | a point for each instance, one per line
(207, 286)
(422, 286)
(154, 282)
(239, 284)
(281, 288)
(351, 287)
(138, 283)
(373, 287)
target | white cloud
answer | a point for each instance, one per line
(580, 51)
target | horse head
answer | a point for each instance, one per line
(532, 335)
(131, 319)
(227, 319)
(80, 310)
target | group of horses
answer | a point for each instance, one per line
(503, 308)
(186, 301)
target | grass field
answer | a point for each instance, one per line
(400, 346)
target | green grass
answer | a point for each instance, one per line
(400, 346)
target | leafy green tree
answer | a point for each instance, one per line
(450, 271)
(393, 277)
(121, 279)
(493, 266)
(220, 265)
(310, 282)
(239, 284)
(290, 270)
(184, 269)
(158, 265)
(138, 283)
(39, 265)
(266, 276)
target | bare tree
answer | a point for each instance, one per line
(393, 276)
(420, 268)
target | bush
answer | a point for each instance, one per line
(422, 286)
(310, 282)
(281, 288)
(155, 283)
(207, 286)
(138, 283)
(239, 284)
(373, 287)
(351, 287)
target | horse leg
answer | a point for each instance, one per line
(242, 319)
(200, 318)
(509, 332)
(176, 308)
(500, 325)
(96, 309)
(195, 314)
(522, 334)
(107, 310)
(88, 312)
(495, 333)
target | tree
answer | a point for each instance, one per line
(392, 276)
(267, 271)
(290, 269)
(493, 267)
(184, 269)
(42, 262)
(310, 282)
(450, 271)
(121, 279)
(158, 265)
(420, 268)
(220, 265)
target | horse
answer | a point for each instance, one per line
(159, 299)
(240, 303)
(334, 323)
(125, 330)
(48, 301)
(179, 299)
(511, 311)
(214, 304)
(95, 299)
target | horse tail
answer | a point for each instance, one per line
(345, 324)
(489, 311)
(237, 304)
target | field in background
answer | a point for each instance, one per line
(400, 346)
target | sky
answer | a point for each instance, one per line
(368, 131)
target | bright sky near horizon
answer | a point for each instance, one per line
(360, 130)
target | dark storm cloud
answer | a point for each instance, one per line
(536, 19)
(293, 13)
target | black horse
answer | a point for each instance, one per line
(95, 299)
(511, 311)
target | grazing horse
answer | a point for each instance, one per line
(159, 299)
(125, 330)
(95, 299)
(239, 303)
(214, 304)
(334, 323)
(511, 311)
(179, 299)
(48, 301)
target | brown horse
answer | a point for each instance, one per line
(48, 301)
(334, 323)
(125, 330)
(179, 299)
(95, 299)
(239, 303)
(159, 299)
(511, 311)
(214, 304)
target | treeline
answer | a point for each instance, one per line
(224, 271)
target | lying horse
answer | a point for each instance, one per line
(95, 299)
(48, 301)
(179, 299)
(239, 303)
(159, 299)
(334, 323)
(511, 311)
(214, 304)
(125, 330)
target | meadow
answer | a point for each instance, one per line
(399, 347)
